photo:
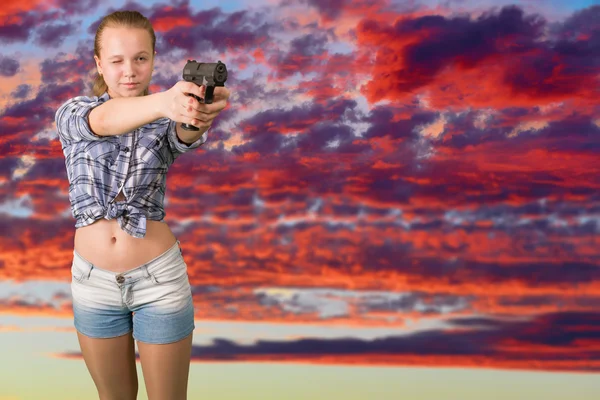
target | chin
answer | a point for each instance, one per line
(120, 92)
(135, 93)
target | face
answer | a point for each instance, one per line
(126, 61)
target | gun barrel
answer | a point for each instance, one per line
(198, 72)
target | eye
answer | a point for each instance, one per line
(141, 58)
(116, 62)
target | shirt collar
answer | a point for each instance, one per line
(104, 97)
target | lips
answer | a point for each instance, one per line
(130, 84)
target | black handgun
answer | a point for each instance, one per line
(209, 74)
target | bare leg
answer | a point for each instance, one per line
(166, 368)
(111, 363)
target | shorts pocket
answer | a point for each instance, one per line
(170, 274)
(79, 273)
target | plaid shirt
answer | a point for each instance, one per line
(98, 167)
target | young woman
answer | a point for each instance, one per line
(129, 278)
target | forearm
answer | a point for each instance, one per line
(124, 114)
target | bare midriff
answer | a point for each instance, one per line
(108, 247)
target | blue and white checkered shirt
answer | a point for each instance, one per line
(98, 167)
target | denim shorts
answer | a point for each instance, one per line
(154, 300)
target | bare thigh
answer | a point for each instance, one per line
(166, 368)
(111, 363)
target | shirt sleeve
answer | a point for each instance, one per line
(72, 121)
(179, 147)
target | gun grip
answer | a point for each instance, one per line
(208, 95)
(189, 127)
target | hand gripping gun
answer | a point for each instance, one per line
(209, 74)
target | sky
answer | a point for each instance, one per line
(398, 193)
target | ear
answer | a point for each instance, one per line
(98, 67)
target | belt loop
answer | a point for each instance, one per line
(145, 269)
(89, 272)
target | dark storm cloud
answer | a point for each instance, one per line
(548, 66)
(464, 41)
(383, 122)
(21, 92)
(314, 123)
(60, 70)
(53, 35)
(557, 331)
(305, 53)
(8, 66)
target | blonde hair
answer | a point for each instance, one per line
(126, 19)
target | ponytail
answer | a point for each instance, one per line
(99, 86)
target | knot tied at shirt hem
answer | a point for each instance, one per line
(130, 219)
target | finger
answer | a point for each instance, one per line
(215, 107)
(191, 87)
(201, 116)
(192, 121)
(193, 103)
(196, 110)
(208, 118)
(204, 117)
(197, 105)
(221, 92)
(190, 91)
(190, 99)
(198, 90)
(186, 119)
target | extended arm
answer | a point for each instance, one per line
(124, 114)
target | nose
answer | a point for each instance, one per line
(129, 69)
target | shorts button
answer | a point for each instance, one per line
(120, 279)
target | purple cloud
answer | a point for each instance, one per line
(23, 24)
(21, 92)
(8, 66)
(557, 332)
(52, 35)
